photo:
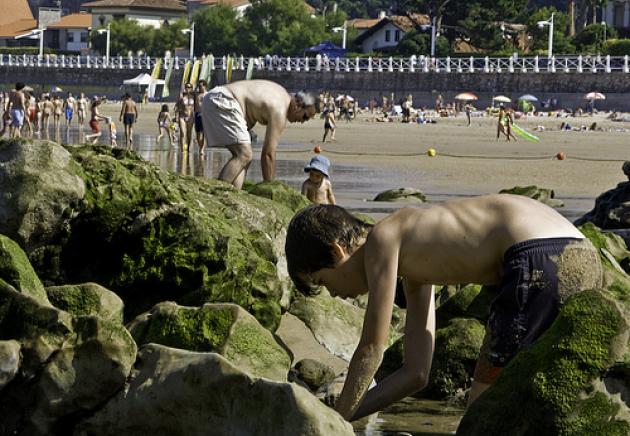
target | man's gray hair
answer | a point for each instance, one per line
(305, 98)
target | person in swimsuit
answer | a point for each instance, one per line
(185, 108)
(329, 124)
(48, 109)
(164, 125)
(128, 116)
(533, 255)
(229, 112)
(202, 89)
(69, 107)
(57, 111)
(94, 121)
(82, 104)
(17, 107)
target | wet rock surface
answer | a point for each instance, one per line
(544, 195)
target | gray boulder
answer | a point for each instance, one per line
(226, 329)
(313, 373)
(17, 271)
(178, 392)
(402, 194)
(612, 208)
(9, 361)
(87, 299)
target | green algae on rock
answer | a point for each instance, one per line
(87, 299)
(226, 329)
(279, 192)
(544, 195)
(150, 235)
(401, 194)
(555, 386)
(17, 271)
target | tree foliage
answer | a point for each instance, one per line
(217, 32)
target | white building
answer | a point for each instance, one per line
(152, 13)
(617, 14)
(71, 33)
(388, 32)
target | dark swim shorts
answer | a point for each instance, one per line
(198, 122)
(129, 119)
(539, 275)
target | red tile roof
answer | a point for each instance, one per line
(16, 28)
(14, 11)
(172, 5)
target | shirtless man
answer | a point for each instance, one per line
(128, 116)
(202, 89)
(69, 107)
(509, 241)
(47, 110)
(82, 107)
(57, 111)
(230, 111)
(17, 109)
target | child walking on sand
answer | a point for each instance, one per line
(164, 124)
(329, 124)
(112, 133)
(317, 187)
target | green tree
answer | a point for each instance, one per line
(126, 35)
(540, 37)
(419, 43)
(591, 38)
(217, 30)
(169, 37)
(282, 27)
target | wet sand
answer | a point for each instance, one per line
(369, 157)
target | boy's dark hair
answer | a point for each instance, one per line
(19, 86)
(164, 108)
(310, 236)
(202, 82)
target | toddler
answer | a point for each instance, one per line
(317, 187)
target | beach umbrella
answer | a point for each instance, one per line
(595, 96)
(528, 97)
(502, 99)
(466, 96)
(55, 89)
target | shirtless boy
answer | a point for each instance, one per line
(69, 106)
(230, 111)
(317, 187)
(82, 106)
(128, 116)
(17, 108)
(525, 248)
(57, 111)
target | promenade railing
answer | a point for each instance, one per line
(413, 64)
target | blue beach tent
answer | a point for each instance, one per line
(326, 48)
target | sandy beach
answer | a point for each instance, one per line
(469, 160)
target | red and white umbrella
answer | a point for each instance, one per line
(466, 96)
(595, 96)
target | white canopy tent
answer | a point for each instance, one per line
(144, 79)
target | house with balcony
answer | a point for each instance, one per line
(388, 31)
(152, 13)
(71, 33)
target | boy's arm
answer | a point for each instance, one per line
(381, 256)
(304, 187)
(419, 346)
(331, 196)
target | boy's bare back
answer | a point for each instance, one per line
(463, 241)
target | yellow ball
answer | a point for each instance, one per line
(431, 152)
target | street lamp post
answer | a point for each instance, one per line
(107, 40)
(343, 29)
(541, 25)
(191, 30)
(433, 34)
(33, 35)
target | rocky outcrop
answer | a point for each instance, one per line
(280, 193)
(544, 195)
(226, 329)
(612, 208)
(410, 195)
(102, 214)
(179, 392)
(17, 271)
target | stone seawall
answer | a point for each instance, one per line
(567, 88)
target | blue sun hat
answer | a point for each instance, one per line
(319, 163)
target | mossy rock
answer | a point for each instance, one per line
(226, 329)
(465, 301)
(611, 210)
(280, 193)
(313, 373)
(558, 385)
(16, 270)
(401, 194)
(544, 195)
(151, 235)
(456, 350)
(87, 299)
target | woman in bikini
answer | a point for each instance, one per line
(186, 116)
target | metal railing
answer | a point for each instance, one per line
(413, 64)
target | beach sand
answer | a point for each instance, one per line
(469, 161)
